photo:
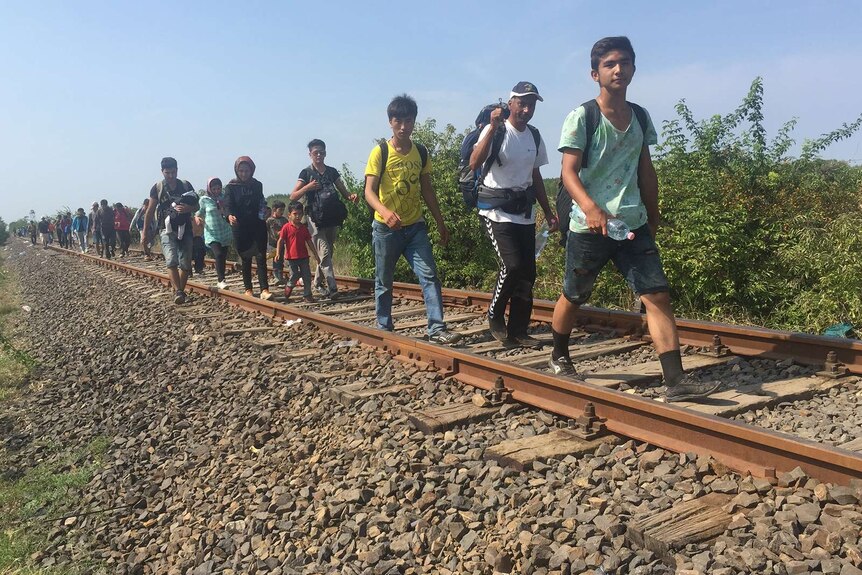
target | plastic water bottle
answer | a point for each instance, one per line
(617, 229)
(541, 238)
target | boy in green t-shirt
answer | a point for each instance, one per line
(620, 180)
(395, 189)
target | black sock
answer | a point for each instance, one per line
(561, 345)
(671, 366)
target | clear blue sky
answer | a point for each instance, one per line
(95, 93)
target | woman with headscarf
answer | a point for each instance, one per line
(217, 232)
(246, 208)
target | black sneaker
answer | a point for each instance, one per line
(445, 337)
(497, 325)
(180, 298)
(689, 389)
(525, 340)
(562, 366)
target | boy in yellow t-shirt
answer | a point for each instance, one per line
(394, 188)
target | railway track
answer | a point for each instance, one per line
(608, 400)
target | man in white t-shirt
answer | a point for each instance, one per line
(510, 153)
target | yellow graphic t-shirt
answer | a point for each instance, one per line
(400, 190)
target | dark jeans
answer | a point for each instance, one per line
(109, 239)
(199, 250)
(125, 241)
(515, 246)
(300, 268)
(262, 279)
(277, 264)
(637, 259)
(220, 255)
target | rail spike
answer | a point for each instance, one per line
(717, 349)
(587, 425)
(499, 394)
(832, 368)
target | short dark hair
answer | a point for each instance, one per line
(169, 163)
(277, 204)
(315, 143)
(402, 106)
(104, 203)
(609, 44)
(294, 206)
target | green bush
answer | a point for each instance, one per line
(751, 234)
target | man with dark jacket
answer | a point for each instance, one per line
(109, 234)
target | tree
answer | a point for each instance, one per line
(18, 224)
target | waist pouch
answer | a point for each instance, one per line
(509, 200)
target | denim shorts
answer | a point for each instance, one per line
(178, 253)
(638, 260)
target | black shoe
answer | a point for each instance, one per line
(497, 325)
(689, 389)
(445, 337)
(180, 298)
(526, 340)
(562, 366)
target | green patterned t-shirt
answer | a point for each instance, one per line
(611, 179)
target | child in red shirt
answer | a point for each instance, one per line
(295, 239)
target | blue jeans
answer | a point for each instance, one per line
(412, 242)
(82, 241)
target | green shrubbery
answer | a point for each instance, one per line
(752, 234)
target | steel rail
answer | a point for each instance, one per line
(744, 448)
(742, 340)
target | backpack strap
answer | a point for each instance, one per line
(593, 117)
(641, 116)
(537, 137)
(423, 153)
(384, 157)
(494, 154)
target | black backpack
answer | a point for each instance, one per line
(593, 118)
(469, 180)
(325, 208)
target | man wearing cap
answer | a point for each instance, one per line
(96, 228)
(171, 208)
(507, 194)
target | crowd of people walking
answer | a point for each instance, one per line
(607, 180)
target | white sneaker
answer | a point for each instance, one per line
(221, 285)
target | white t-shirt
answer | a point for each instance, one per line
(519, 158)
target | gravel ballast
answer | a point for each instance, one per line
(228, 457)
